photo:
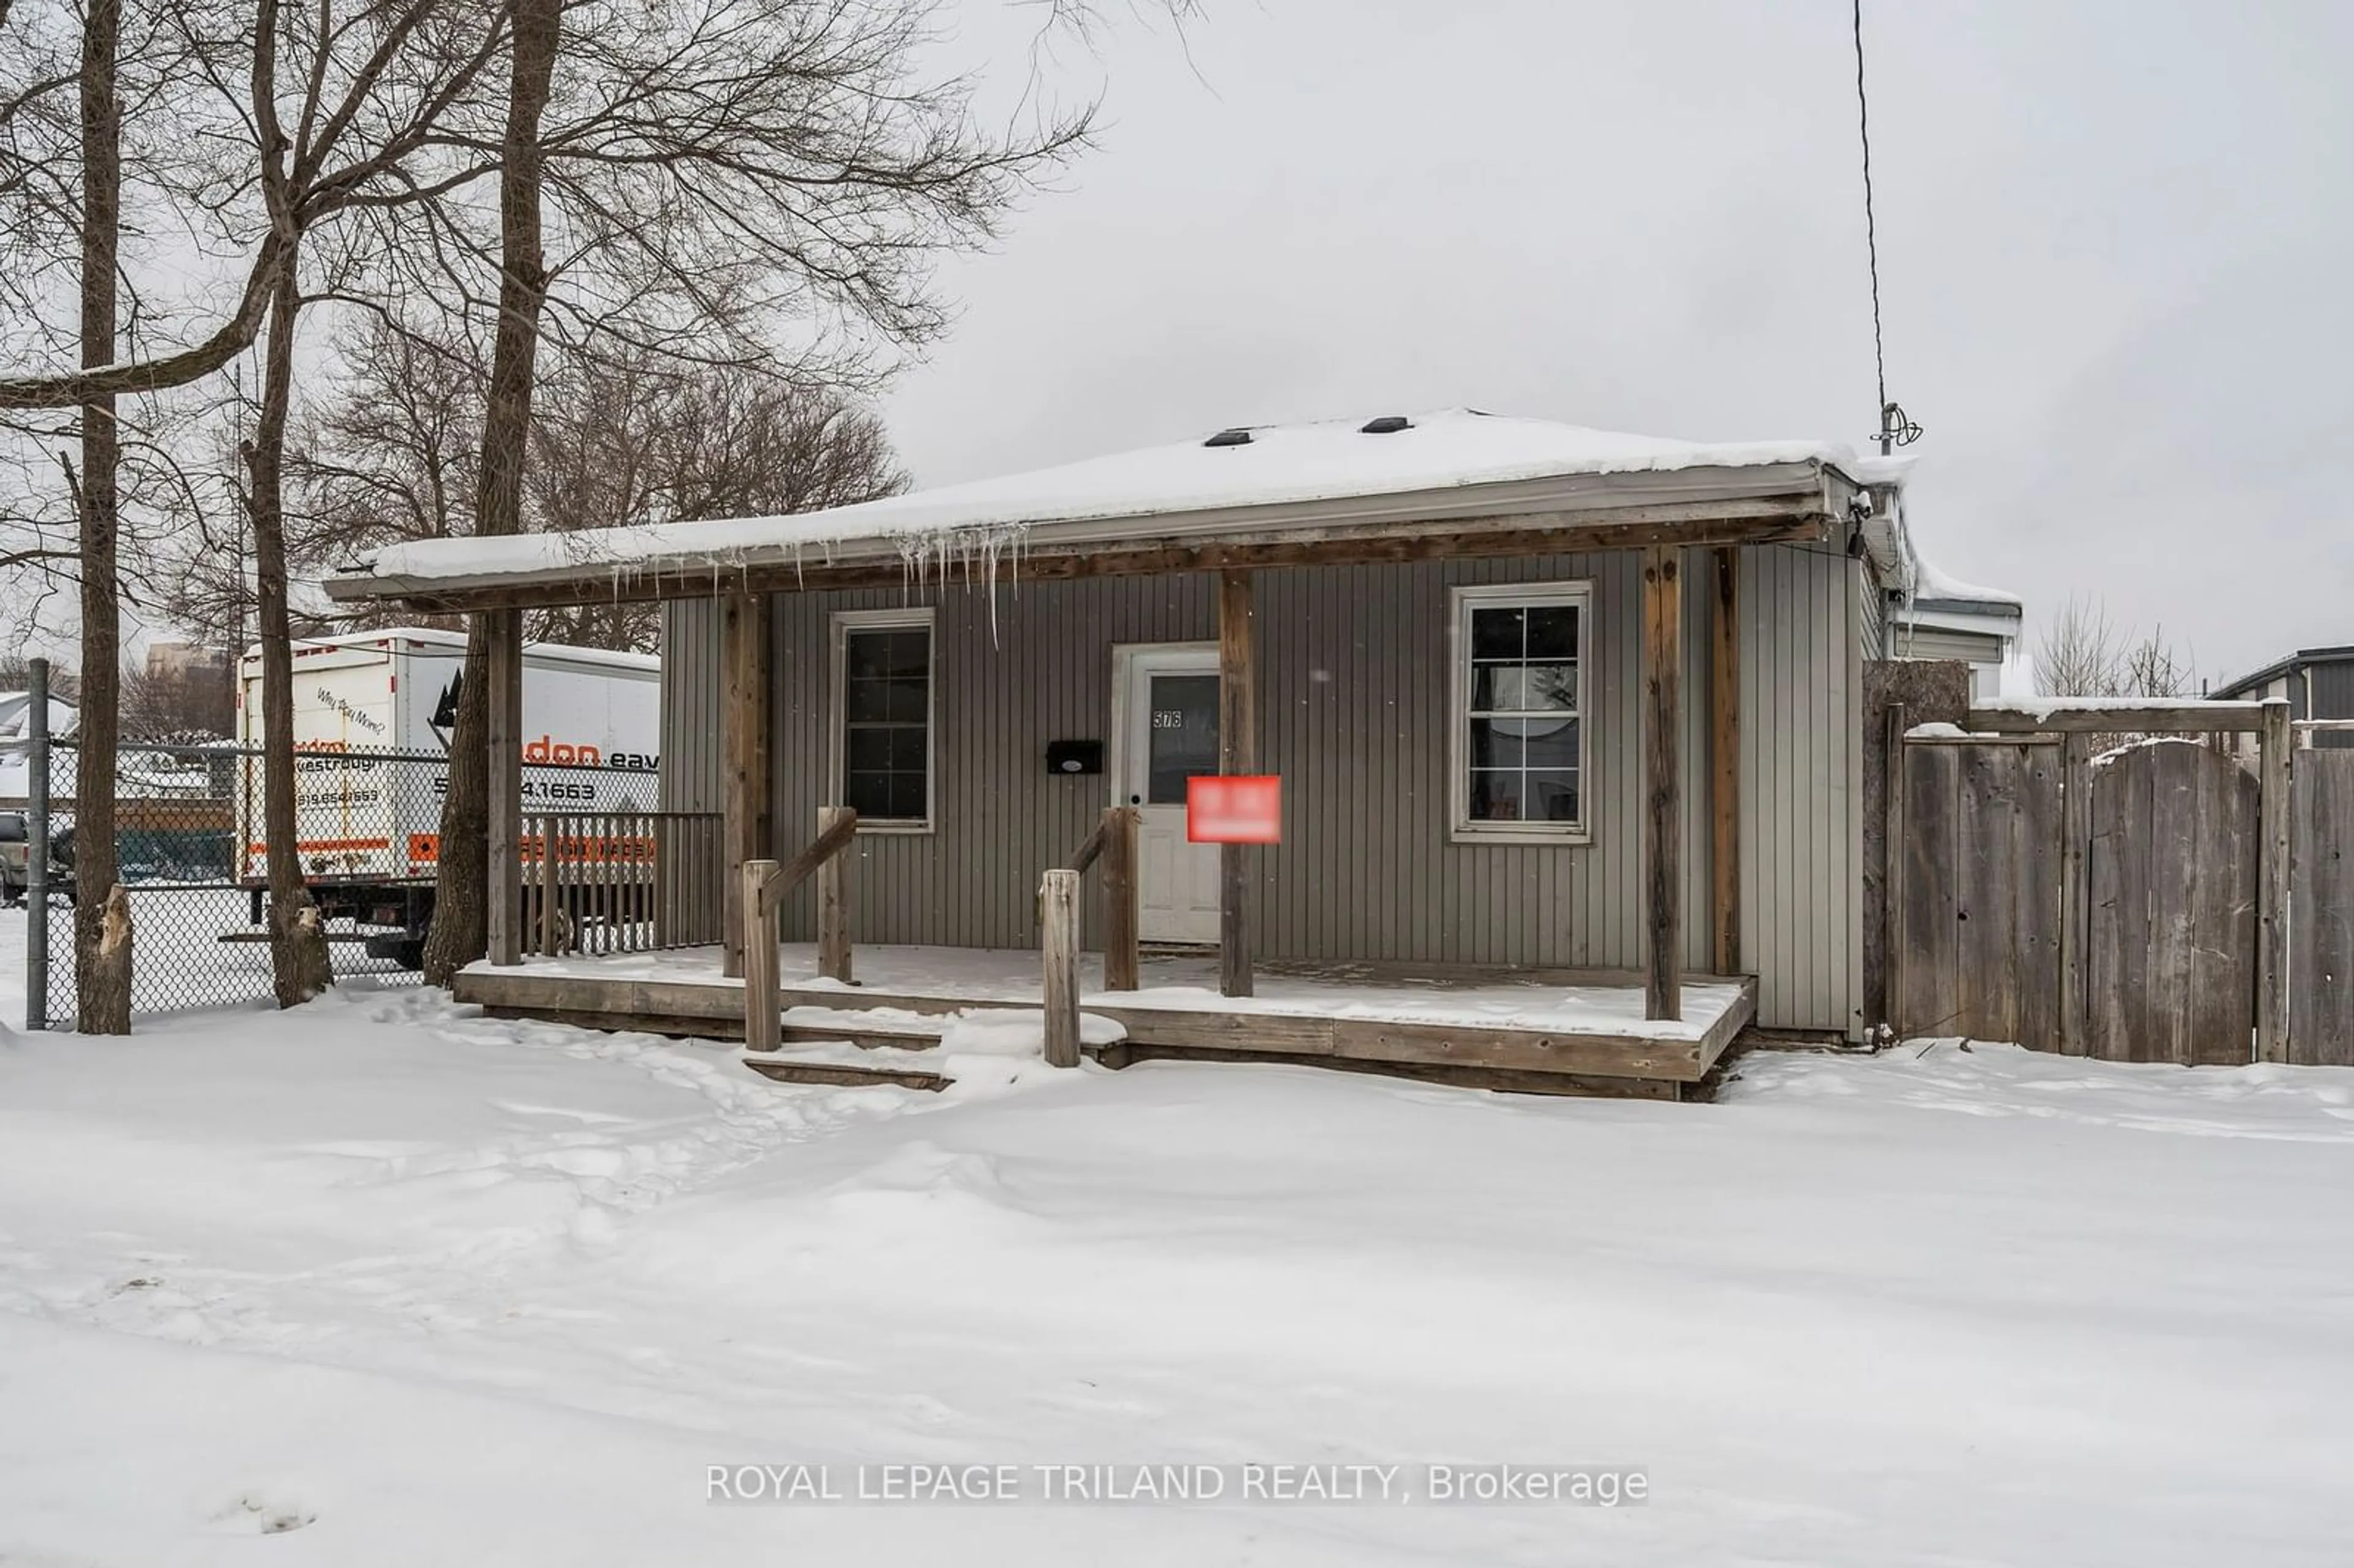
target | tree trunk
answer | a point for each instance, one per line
(101, 967)
(298, 941)
(460, 931)
(462, 891)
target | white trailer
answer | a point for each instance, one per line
(368, 825)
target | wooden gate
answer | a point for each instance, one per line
(2171, 906)
(2321, 907)
(2104, 908)
(1975, 945)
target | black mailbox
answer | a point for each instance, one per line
(1075, 756)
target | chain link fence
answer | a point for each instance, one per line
(190, 845)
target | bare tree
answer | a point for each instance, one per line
(2083, 653)
(2079, 653)
(389, 455)
(102, 942)
(706, 172)
(461, 879)
(639, 443)
(189, 704)
(381, 88)
(2154, 667)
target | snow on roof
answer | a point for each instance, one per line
(1933, 587)
(1929, 583)
(1278, 465)
(434, 637)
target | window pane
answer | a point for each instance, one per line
(1184, 738)
(1553, 632)
(1549, 797)
(907, 747)
(868, 794)
(908, 795)
(862, 701)
(903, 699)
(1495, 795)
(864, 655)
(867, 748)
(1492, 748)
(1544, 742)
(1498, 633)
(1524, 688)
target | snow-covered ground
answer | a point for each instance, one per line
(182, 961)
(409, 1286)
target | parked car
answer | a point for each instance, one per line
(17, 854)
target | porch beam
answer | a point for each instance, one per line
(743, 759)
(1790, 520)
(1237, 753)
(502, 843)
(1663, 820)
(1724, 761)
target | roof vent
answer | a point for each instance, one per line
(1237, 437)
(1387, 425)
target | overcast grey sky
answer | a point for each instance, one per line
(2116, 245)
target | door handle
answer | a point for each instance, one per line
(1135, 800)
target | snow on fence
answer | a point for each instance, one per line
(2156, 903)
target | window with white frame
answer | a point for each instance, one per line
(1519, 746)
(882, 716)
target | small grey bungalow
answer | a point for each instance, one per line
(1568, 727)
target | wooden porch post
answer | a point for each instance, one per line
(1662, 781)
(1237, 753)
(504, 841)
(1058, 948)
(834, 899)
(743, 759)
(1725, 763)
(763, 1020)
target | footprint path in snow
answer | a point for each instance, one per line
(615, 1168)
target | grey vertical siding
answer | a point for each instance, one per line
(2331, 686)
(1033, 666)
(690, 705)
(1354, 707)
(1801, 785)
(1871, 630)
(1354, 701)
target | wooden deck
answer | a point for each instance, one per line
(1550, 1032)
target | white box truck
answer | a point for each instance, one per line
(368, 824)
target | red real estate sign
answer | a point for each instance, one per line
(1234, 809)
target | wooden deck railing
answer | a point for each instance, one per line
(1113, 844)
(620, 882)
(766, 885)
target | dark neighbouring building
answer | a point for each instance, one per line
(2318, 681)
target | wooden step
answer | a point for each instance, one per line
(785, 1070)
(878, 1035)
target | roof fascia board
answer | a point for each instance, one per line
(1791, 489)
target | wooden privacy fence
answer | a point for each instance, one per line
(620, 882)
(2321, 907)
(2154, 903)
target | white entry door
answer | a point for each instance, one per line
(1165, 712)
